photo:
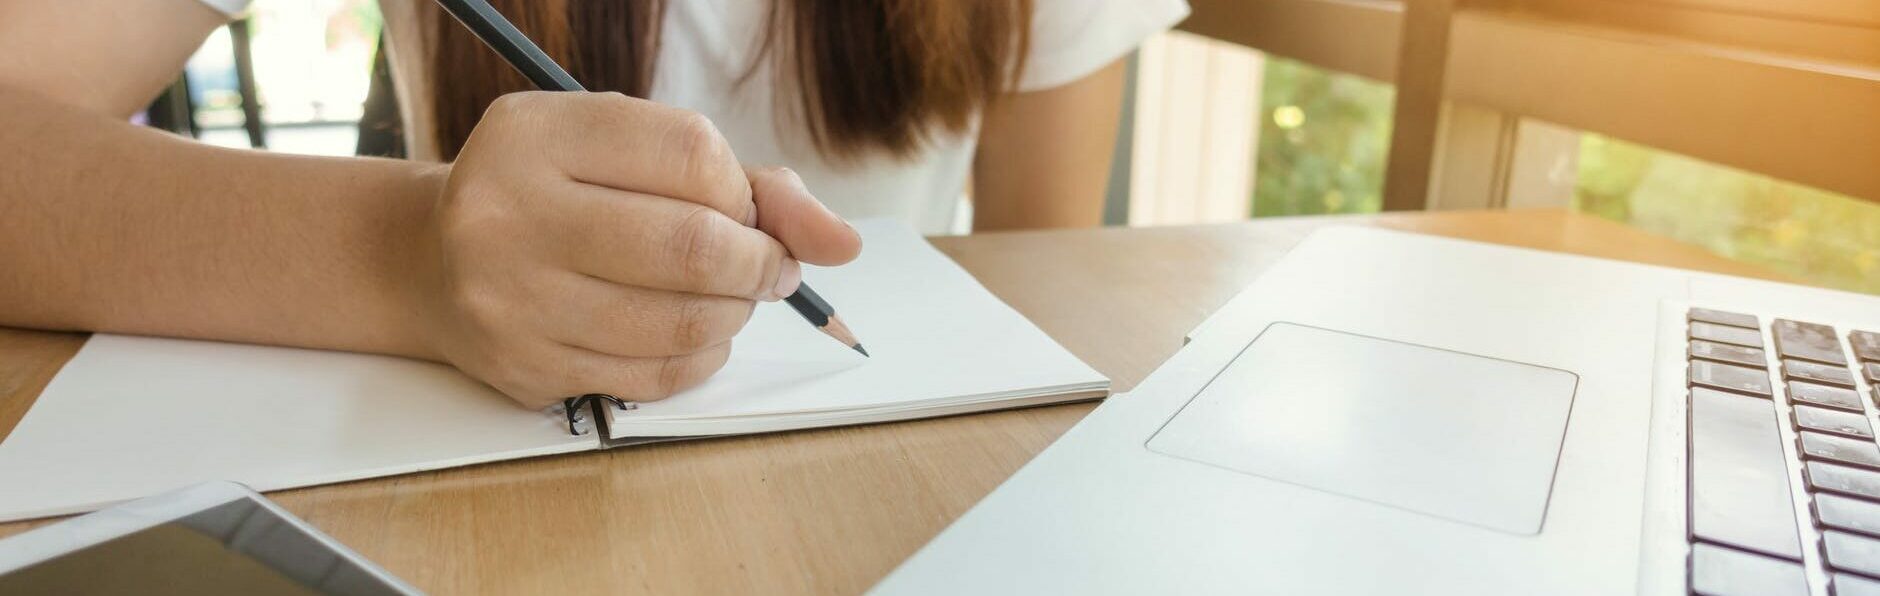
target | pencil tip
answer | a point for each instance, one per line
(835, 328)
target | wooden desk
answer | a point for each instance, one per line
(830, 510)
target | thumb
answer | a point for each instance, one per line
(788, 212)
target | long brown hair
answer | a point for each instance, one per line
(869, 75)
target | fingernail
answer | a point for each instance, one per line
(787, 280)
(795, 179)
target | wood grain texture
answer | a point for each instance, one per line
(829, 511)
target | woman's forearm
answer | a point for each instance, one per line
(107, 226)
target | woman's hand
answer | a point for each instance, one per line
(595, 243)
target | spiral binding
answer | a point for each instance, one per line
(573, 406)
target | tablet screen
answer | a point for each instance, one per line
(238, 547)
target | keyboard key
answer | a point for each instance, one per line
(1730, 377)
(1848, 513)
(1860, 452)
(1849, 552)
(1873, 372)
(1842, 479)
(1749, 338)
(1739, 476)
(1733, 319)
(1817, 372)
(1866, 345)
(1823, 395)
(1807, 341)
(1727, 353)
(1848, 584)
(1833, 421)
(1719, 571)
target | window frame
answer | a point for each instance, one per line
(1697, 77)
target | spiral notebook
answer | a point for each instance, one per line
(134, 416)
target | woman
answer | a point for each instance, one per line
(574, 243)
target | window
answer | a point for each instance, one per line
(1814, 235)
(1222, 133)
(312, 63)
(1520, 103)
(1323, 139)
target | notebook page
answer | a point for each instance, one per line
(935, 335)
(130, 417)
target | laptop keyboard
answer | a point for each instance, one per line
(1801, 406)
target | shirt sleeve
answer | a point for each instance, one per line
(1073, 38)
(228, 7)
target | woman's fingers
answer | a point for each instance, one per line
(638, 322)
(655, 242)
(556, 371)
(625, 143)
(788, 212)
(582, 371)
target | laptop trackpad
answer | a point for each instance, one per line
(1457, 436)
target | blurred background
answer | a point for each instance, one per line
(312, 68)
(1261, 108)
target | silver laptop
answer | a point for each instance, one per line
(1388, 413)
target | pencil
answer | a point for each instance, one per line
(502, 36)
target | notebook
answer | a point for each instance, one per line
(130, 416)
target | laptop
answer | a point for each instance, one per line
(1390, 413)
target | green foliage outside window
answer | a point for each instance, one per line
(1812, 234)
(1323, 139)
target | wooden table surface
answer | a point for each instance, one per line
(828, 511)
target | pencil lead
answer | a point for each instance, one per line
(858, 348)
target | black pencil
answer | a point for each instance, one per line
(516, 49)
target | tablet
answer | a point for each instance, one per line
(217, 538)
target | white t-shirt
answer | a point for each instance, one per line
(707, 46)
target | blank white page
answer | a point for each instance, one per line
(937, 338)
(130, 417)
